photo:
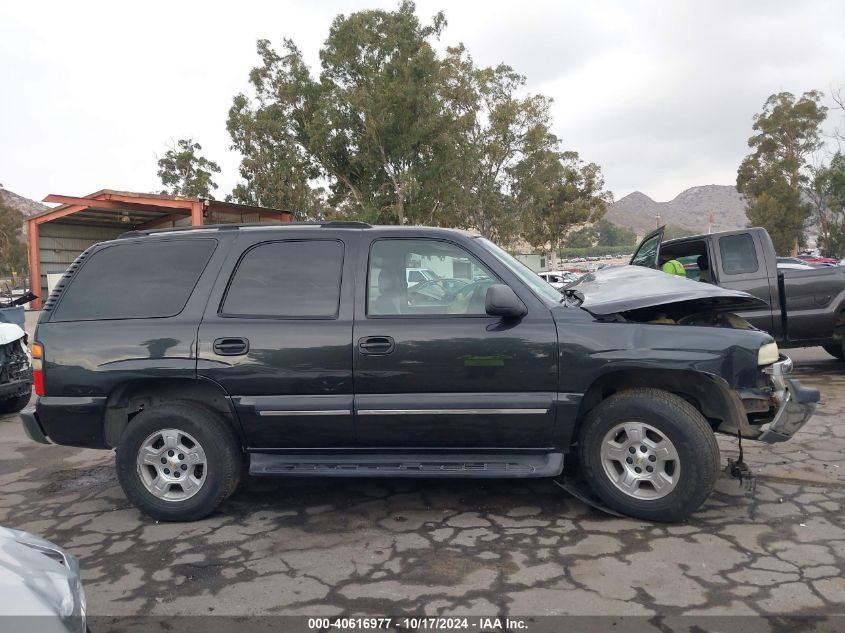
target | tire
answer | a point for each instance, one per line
(15, 403)
(674, 488)
(837, 351)
(202, 456)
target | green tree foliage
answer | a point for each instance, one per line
(610, 234)
(12, 248)
(183, 172)
(602, 233)
(500, 144)
(563, 192)
(371, 123)
(828, 195)
(771, 177)
(275, 170)
(585, 237)
(401, 134)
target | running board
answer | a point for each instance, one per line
(403, 465)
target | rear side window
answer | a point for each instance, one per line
(135, 280)
(738, 254)
(292, 279)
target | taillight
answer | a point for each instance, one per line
(38, 368)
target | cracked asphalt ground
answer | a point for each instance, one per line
(413, 547)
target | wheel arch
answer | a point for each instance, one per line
(130, 398)
(709, 394)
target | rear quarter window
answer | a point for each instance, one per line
(135, 280)
(287, 279)
(738, 254)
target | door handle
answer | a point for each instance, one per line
(231, 346)
(376, 345)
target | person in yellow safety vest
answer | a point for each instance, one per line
(674, 267)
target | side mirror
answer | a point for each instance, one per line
(501, 301)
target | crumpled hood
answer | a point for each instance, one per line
(10, 332)
(623, 288)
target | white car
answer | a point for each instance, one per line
(415, 276)
(558, 278)
(38, 578)
(792, 263)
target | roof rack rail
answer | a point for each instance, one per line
(351, 224)
(332, 224)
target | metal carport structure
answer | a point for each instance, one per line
(57, 236)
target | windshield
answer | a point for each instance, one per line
(531, 279)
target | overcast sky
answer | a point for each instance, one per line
(661, 95)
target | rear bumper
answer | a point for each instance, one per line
(797, 405)
(32, 427)
(76, 421)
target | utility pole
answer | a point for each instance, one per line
(658, 219)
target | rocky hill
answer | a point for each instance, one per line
(690, 209)
(24, 205)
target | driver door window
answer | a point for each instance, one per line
(425, 277)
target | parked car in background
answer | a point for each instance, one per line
(800, 308)
(41, 581)
(436, 292)
(816, 260)
(207, 348)
(792, 263)
(419, 275)
(557, 278)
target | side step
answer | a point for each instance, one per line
(469, 465)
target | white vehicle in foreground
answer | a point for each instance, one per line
(40, 585)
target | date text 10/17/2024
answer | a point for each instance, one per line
(480, 624)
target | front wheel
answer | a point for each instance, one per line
(649, 454)
(178, 462)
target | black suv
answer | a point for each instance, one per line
(309, 350)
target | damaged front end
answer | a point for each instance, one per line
(644, 295)
(766, 405)
(794, 403)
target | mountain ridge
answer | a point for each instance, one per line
(24, 205)
(690, 209)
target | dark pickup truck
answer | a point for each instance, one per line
(304, 350)
(801, 308)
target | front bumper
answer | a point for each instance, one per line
(15, 388)
(797, 404)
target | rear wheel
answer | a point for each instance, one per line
(178, 462)
(837, 351)
(649, 454)
(15, 403)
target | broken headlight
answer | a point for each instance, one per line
(768, 354)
